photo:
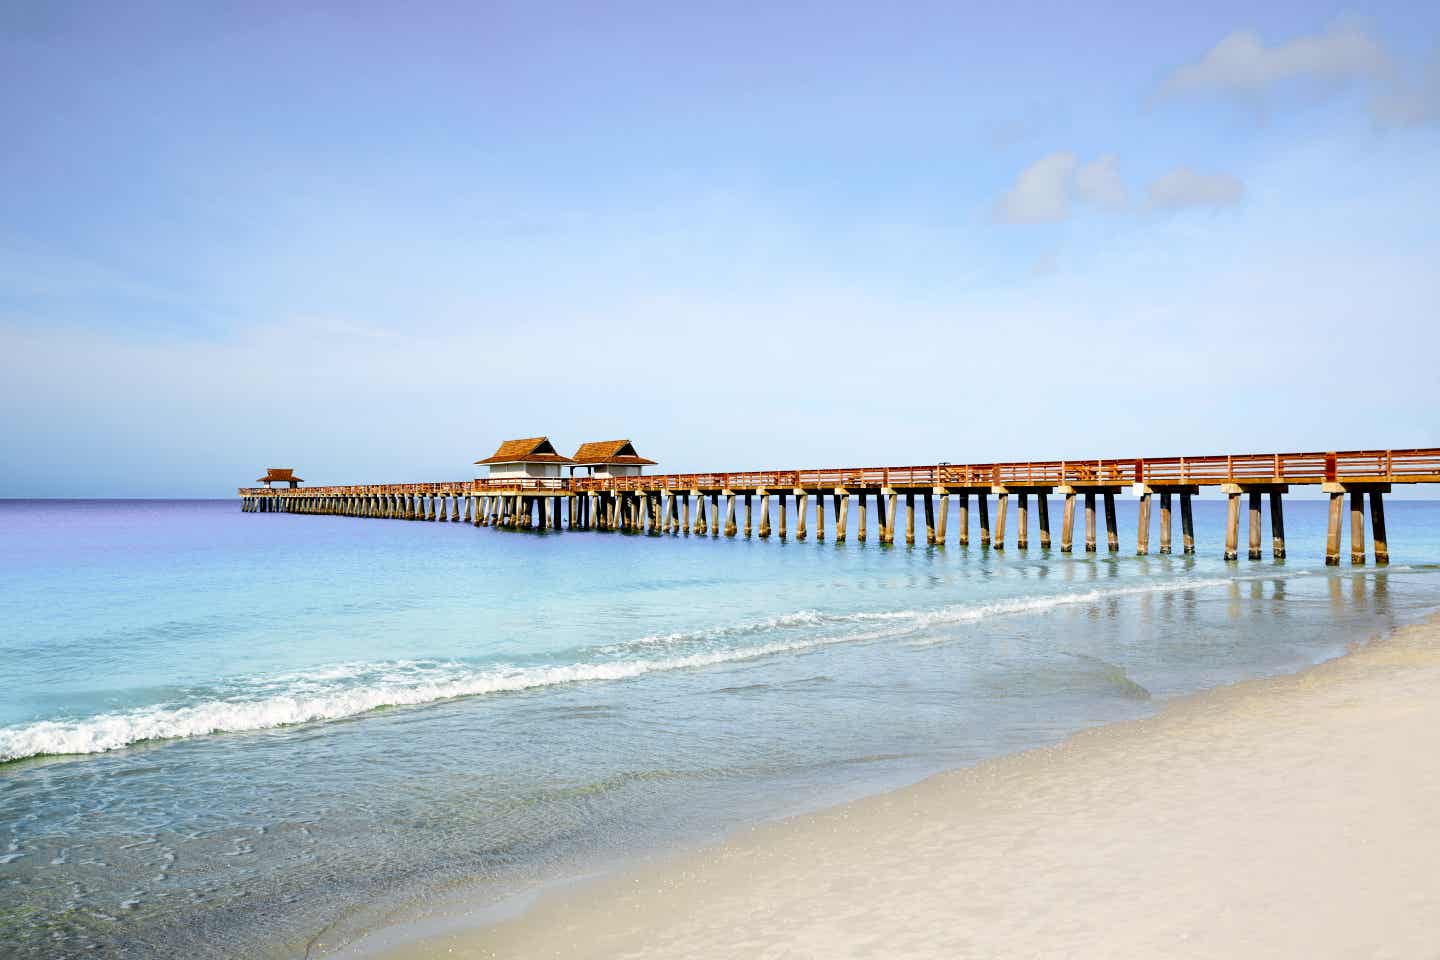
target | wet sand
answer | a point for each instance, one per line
(1295, 817)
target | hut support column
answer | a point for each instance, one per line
(1002, 507)
(1357, 528)
(1142, 536)
(1232, 526)
(1112, 532)
(1022, 521)
(1377, 528)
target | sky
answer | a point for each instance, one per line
(371, 241)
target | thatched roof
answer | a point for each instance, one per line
(609, 451)
(528, 450)
(280, 475)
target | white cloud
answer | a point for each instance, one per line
(1410, 103)
(1185, 187)
(1099, 182)
(1041, 193)
(1242, 65)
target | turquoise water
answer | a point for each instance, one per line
(224, 733)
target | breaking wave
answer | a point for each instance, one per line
(346, 690)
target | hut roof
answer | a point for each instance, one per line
(280, 474)
(527, 450)
(609, 451)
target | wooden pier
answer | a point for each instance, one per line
(693, 503)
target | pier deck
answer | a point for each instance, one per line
(661, 503)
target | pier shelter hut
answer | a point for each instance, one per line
(280, 475)
(609, 458)
(530, 458)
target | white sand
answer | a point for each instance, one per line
(1298, 817)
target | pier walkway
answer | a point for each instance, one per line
(661, 504)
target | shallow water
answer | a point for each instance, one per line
(227, 730)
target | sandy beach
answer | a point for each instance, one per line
(1293, 817)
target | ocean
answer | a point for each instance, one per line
(228, 734)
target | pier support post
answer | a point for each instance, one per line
(1332, 533)
(819, 516)
(802, 507)
(685, 513)
(1254, 525)
(1022, 521)
(715, 514)
(1142, 535)
(747, 516)
(1002, 509)
(1089, 522)
(1165, 518)
(910, 519)
(1357, 528)
(1377, 527)
(1112, 532)
(1067, 523)
(861, 519)
(929, 518)
(842, 515)
(962, 518)
(887, 533)
(1232, 526)
(1042, 503)
(780, 505)
(1187, 524)
(764, 516)
(943, 520)
(982, 506)
(729, 514)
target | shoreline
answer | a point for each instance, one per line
(1281, 816)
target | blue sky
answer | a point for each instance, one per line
(370, 242)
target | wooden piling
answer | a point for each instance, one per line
(747, 516)
(801, 509)
(1254, 527)
(1377, 526)
(887, 534)
(1067, 523)
(1042, 503)
(1022, 521)
(1232, 526)
(982, 506)
(910, 519)
(962, 519)
(1112, 532)
(715, 514)
(1187, 524)
(942, 521)
(1089, 522)
(764, 515)
(929, 518)
(842, 515)
(860, 531)
(729, 514)
(1165, 520)
(780, 505)
(1357, 528)
(1332, 533)
(1002, 505)
(819, 516)
(1142, 534)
